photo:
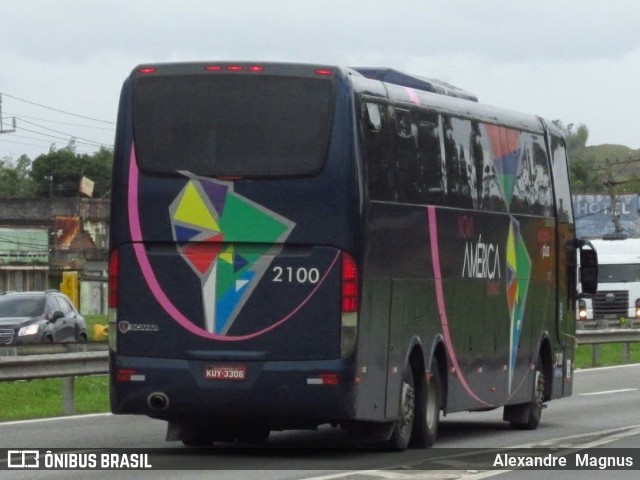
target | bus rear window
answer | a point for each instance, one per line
(232, 125)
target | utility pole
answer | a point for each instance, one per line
(610, 184)
(2, 129)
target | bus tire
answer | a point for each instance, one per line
(427, 418)
(527, 416)
(403, 426)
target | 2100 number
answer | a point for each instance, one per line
(299, 275)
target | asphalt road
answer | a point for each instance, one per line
(604, 411)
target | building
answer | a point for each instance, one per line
(40, 238)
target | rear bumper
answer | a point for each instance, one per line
(285, 394)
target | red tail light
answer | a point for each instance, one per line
(349, 284)
(329, 378)
(114, 268)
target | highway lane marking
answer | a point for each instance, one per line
(597, 369)
(607, 392)
(53, 419)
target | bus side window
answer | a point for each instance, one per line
(429, 175)
(375, 130)
(457, 135)
(373, 116)
(532, 189)
(561, 180)
(404, 156)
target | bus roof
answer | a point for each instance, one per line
(389, 75)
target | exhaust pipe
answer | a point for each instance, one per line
(158, 401)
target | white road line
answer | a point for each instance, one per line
(599, 369)
(54, 419)
(607, 392)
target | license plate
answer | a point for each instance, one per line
(234, 373)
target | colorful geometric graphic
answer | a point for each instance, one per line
(505, 144)
(228, 241)
(518, 276)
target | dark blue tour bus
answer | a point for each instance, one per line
(294, 245)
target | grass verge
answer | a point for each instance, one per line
(43, 398)
(610, 354)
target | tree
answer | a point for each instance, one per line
(15, 181)
(58, 173)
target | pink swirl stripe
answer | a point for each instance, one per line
(154, 285)
(437, 275)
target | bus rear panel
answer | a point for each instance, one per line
(232, 236)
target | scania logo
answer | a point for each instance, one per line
(610, 297)
(125, 327)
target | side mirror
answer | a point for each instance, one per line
(588, 269)
(56, 315)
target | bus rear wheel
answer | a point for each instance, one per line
(427, 410)
(527, 416)
(403, 427)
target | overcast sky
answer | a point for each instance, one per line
(573, 60)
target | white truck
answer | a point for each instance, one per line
(618, 296)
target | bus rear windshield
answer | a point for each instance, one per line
(232, 125)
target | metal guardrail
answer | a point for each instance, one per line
(31, 367)
(596, 337)
(608, 335)
(40, 349)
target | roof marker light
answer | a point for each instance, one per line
(213, 68)
(147, 70)
(256, 68)
(234, 68)
(323, 71)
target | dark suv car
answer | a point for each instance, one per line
(39, 317)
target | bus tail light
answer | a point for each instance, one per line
(349, 284)
(324, 379)
(349, 326)
(129, 375)
(114, 268)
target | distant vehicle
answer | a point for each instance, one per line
(618, 294)
(293, 245)
(39, 317)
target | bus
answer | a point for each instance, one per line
(295, 245)
(618, 296)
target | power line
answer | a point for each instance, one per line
(56, 121)
(58, 110)
(57, 131)
(90, 143)
(27, 144)
(84, 148)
